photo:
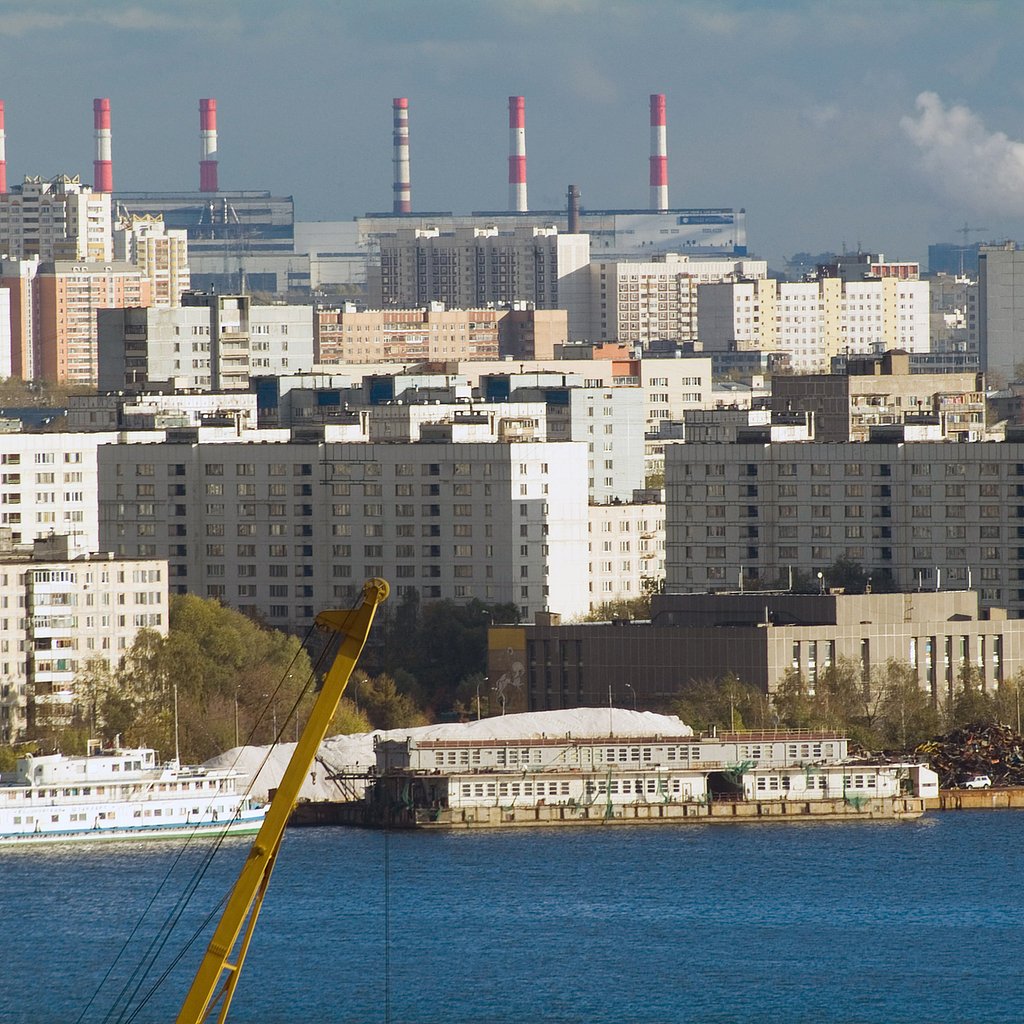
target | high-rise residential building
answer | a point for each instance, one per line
(66, 297)
(879, 391)
(473, 267)
(56, 219)
(643, 301)
(814, 322)
(211, 343)
(1001, 309)
(433, 333)
(286, 529)
(916, 514)
(73, 613)
(16, 280)
(160, 253)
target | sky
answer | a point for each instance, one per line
(884, 124)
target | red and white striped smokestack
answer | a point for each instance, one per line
(517, 154)
(659, 154)
(102, 168)
(3, 151)
(402, 202)
(207, 145)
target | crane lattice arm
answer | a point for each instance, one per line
(218, 975)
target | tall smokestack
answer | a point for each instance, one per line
(659, 154)
(207, 145)
(3, 151)
(517, 154)
(573, 201)
(102, 168)
(402, 202)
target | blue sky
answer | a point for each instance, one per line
(886, 123)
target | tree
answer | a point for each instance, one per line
(792, 701)
(727, 704)
(970, 703)
(1006, 701)
(385, 706)
(348, 720)
(623, 608)
(907, 715)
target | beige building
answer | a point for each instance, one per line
(759, 637)
(643, 301)
(627, 549)
(817, 321)
(160, 253)
(881, 391)
(58, 613)
(56, 219)
(434, 333)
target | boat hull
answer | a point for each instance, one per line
(246, 826)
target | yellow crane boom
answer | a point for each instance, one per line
(217, 976)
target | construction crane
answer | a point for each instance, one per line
(217, 976)
(966, 231)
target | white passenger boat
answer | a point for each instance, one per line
(121, 794)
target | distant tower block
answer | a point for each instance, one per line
(517, 154)
(207, 145)
(102, 168)
(402, 202)
(659, 154)
(3, 151)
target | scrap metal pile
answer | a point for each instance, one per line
(983, 749)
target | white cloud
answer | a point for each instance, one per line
(982, 170)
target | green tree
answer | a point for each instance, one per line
(792, 702)
(727, 704)
(907, 714)
(623, 608)
(1008, 701)
(970, 703)
(386, 707)
(348, 720)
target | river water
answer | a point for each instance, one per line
(816, 922)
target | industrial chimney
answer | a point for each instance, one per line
(3, 151)
(102, 168)
(517, 154)
(573, 202)
(402, 202)
(207, 145)
(659, 154)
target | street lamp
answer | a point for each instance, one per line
(478, 699)
(629, 686)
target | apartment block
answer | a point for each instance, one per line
(55, 219)
(67, 296)
(60, 613)
(813, 322)
(286, 529)
(880, 391)
(433, 333)
(918, 515)
(627, 549)
(16, 281)
(645, 301)
(469, 268)
(160, 253)
(1000, 309)
(210, 343)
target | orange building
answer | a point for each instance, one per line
(66, 295)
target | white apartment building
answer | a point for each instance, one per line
(627, 550)
(209, 343)
(161, 253)
(48, 484)
(56, 219)
(929, 514)
(58, 614)
(815, 321)
(640, 302)
(287, 529)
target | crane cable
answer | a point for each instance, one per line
(119, 1009)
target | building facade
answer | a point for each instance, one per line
(1000, 310)
(920, 514)
(160, 253)
(286, 529)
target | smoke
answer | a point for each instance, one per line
(980, 169)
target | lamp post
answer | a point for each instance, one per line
(629, 686)
(236, 716)
(478, 699)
